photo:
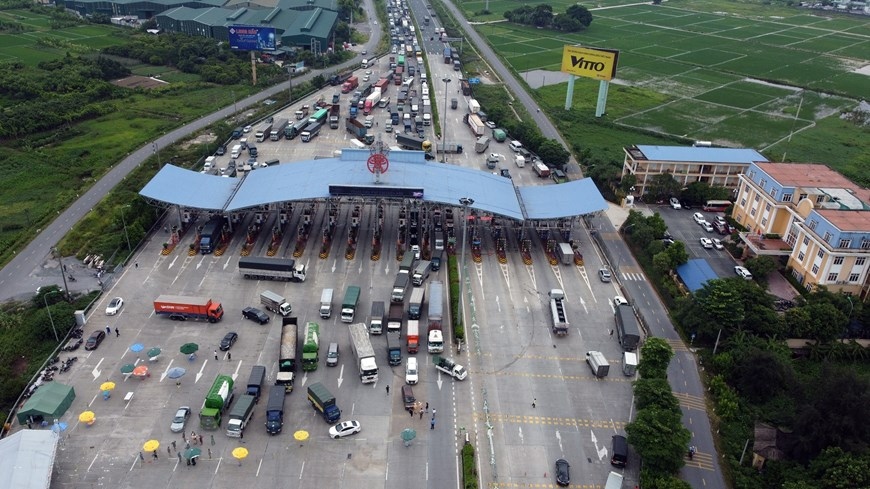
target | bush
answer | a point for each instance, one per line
(469, 474)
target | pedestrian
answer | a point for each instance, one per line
(179, 456)
(141, 457)
(209, 453)
(388, 389)
(183, 438)
(186, 445)
(108, 329)
(411, 412)
(421, 414)
(117, 332)
(534, 402)
(155, 455)
(173, 445)
(432, 424)
(136, 264)
(433, 414)
(241, 436)
(215, 355)
(193, 437)
(29, 425)
(427, 407)
(229, 356)
(611, 333)
(168, 450)
(178, 384)
(200, 439)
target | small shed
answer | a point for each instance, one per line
(49, 402)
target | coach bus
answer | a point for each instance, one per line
(717, 205)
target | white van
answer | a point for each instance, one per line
(365, 63)
(521, 161)
(236, 151)
(209, 163)
(629, 363)
(515, 146)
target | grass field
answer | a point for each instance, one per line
(733, 73)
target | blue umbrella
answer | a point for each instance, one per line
(136, 348)
(176, 372)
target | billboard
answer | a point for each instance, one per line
(252, 38)
(595, 63)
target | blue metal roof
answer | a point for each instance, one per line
(695, 274)
(307, 180)
(701, 154)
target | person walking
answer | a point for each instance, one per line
(154, 453)
(179, 456)
(215, 355)
(534, 402)
(427, 407)
(173, 445)
(229, 356)
(388, 389)
(421, 414)
(108, 329)
(433, 414)
(183, 438)
(432, 424)
(200, 439)
(136, 264)
(117, 332)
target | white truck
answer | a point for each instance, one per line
(566, 253)
(275, 303)
(376, 321)
(557, 310)
(264, 268)
(450, 368)
(240, 414)
(363, 352)
(326, 303)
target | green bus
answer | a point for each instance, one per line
(319, 117)
(401, 61)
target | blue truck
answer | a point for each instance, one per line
(210, 234)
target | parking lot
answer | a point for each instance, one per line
(683, 227)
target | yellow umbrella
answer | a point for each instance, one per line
(151, 445)
(87, 417)
(240, 453)
(301, 435)
(107, 386)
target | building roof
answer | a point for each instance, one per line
(812, 175)
(695, 274)
(311, 179)
(854, 221)
(696, 154)
(27, 459)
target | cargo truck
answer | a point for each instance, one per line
(209, 236)
(334, 116)
(240, 414)
(435, 342)
(372, 101)
(295, 129)
(450, 368)
(597, 363)
(476, 125)
(359, 131)
(278, 129)
(287, 354)
(449, 148)
(339, 78)
(255, 382)
(217, 400)
(348, 305)
(363, 352)
(413, 336)
(323, 402)
(415, 305)
(310, 132)
(180, 308)
(264, 132)
(421, 272)
(482, 144)
(275, 303)
(326, 303)
(376, 320)
(349, 84)
(394, 318)
(435, 336)
(627, 329)
(311, 346)
(394, 349)
(275, 410)
(557, 311)
(400, 285)
(542, 170)
(629, 363)
(264, 268)
(566, 253)
(448, 56)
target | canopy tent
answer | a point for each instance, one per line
(27, 458)
(49, 402)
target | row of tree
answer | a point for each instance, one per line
(576, 17)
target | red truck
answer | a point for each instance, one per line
(180, 308)
(383, 84)
(350, 84)
(397, 78)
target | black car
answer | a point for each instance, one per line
(505, 173)
(563, 475)
(229, 340)
(255, 314)
(95, 339)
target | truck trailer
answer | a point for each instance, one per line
(239, 416)
(415, 305)
(180, 308)
(275, 303)
(363, 352)
(217, 401)
(278, 129)
(287, 354)
(264, 268)
(311, 346)
(348, 305)
(557, 311)
(449, 148)
(359, 131)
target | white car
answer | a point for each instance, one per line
(345, 428)
(114, 306)
(370, 121)
(707, 243)
(366, 78)
(247, 129)
(698, 217)
(675, 203)
(412, 374)
(416, 250)
(707, 226)
(180, 418)
(718, 244)
(743, 272)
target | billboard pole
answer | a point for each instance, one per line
(603, 86)
(253, 69)
(595, 63)
(569, 97)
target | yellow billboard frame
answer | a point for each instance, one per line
(595, 63)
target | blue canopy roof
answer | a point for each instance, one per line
(696, 273)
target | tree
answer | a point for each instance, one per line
(826, 321)
(655, 392)
(655, 356)
(553, 153)
(660, 439)
(663, 186)
(722, 303)
(761, 375)
(542, 15)
(836, 469)
(761, 267)
(580, 13)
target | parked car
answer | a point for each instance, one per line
(255, 314)
(707, 243)
(95, 339)
(180, 418)
(698, 217)
(563, 475)
(743, 272)
(717, 243)
(228, 341)
(707, 226)
(114, 306)
(604, 275)
(345, 428)
(675, 204)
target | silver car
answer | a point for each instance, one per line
(180, 419)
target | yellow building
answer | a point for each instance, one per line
(718, 167)
(813, 215)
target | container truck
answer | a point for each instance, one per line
(394, 349)
(239, 416)
(180, 308)
(557, 311)
(255, 382)
(413, 336)
(541, 169)
(413, 143)
(359, 131)
(597, 363)
(435, 336)
(310, 132)
(394, 318)
(311, 346)
(415, 305)
(566, 253)
(275, 303)
(482, 144)
(363, 352)
(217, 400)
(339, 78)
(275, 410)
(450, 368)
(264, 268)
(326, 303)
(400, 285)
(435, 342)
(627, 329)
(372, 101)
(349, 84)
(348, 305)
(421, 272)
(323, 402)
(476, 125)
(264, 132)
(209, 236)
(448, 56)
(295, 129)
(449, 148)
(376, 321)
(278, 129)
(287, 354)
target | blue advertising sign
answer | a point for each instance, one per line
(252, 38)
(474, 81)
